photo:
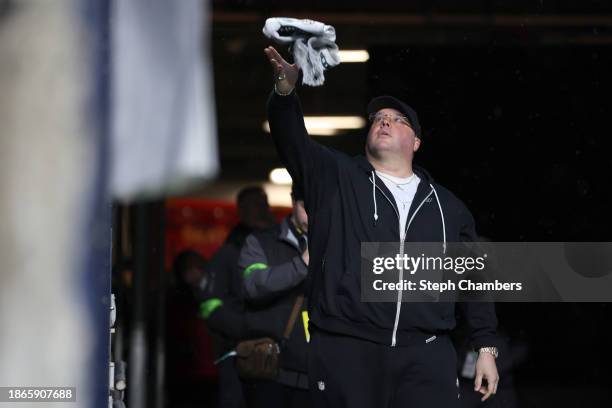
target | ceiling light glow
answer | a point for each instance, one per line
(353, 56)
(328, 125)
(280, 176)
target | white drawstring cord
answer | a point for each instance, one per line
(437, 200)
(374, 196)
(442, 216)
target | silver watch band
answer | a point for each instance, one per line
(491, 350)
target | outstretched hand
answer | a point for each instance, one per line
(285, 74)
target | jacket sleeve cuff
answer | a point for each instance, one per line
(488, 340)
(280, 100)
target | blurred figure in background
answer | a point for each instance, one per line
(191, 372)
(254, 213)
(224, 293)
(274, 265)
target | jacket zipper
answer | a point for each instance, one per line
(398, 309)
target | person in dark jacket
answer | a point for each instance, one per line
(222, 304)
(273, 264)
(375, 354)
(254, 214)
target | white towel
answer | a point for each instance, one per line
(313, 45)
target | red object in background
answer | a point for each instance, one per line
(201, 225)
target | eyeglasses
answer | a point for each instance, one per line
(377, 118)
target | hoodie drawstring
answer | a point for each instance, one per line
(374, 197)
(442, 217)
(444, 245)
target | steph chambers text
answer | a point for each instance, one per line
(462, 285)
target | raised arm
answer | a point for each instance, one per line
(308, 162)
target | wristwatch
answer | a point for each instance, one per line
(490, 350)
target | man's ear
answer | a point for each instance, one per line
(417, 143)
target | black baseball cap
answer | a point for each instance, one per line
(382, 102)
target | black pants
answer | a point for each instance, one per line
(349, 372)
(230, 393)
(270, 394)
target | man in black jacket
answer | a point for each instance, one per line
(273, 264)
(375, 354)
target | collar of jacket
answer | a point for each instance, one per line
(367, 167)
(288, 233)
(238, 234)
(424, 188)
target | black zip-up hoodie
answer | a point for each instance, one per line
(348, 204)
